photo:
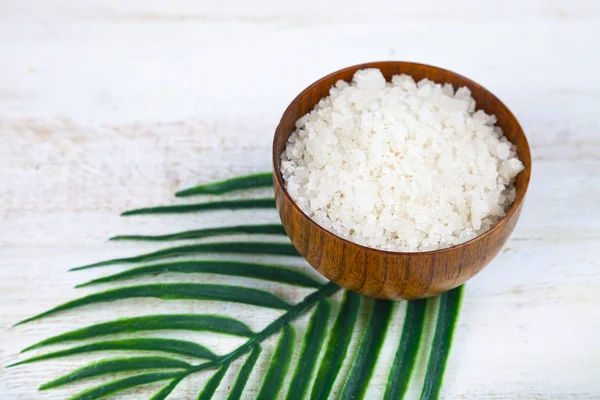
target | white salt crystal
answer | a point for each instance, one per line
(503, 151)
(400, 166)
(364, 79)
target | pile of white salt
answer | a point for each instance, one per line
(399, 165)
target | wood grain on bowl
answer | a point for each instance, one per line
(385, 274)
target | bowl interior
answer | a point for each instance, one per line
(485, 100)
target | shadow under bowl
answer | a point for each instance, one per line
(388, 274)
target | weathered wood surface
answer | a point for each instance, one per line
(109, 105)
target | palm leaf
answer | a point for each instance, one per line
(244, 374)
(186, 322)
(209, 206)
(213, 383)
(370, 345)
(175, 291)
(318, 343)
(274, 273)
(163, 393)
(117, 365)
(269, 229)
(407, 350)
(280, 364)
(281, 249)
(253, 181)
(173, 346)
(123, 384)
(313, 341)
(444, 330)
(337, 346)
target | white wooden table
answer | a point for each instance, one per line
(111, 104)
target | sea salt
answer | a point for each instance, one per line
(400, 165)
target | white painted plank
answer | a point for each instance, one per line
(108, 105)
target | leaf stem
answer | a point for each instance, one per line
(294, 312)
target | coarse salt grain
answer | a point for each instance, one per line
(400, 165)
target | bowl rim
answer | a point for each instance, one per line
(377, 64)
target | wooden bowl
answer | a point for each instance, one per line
(387, 274)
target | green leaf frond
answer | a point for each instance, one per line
(314, 370)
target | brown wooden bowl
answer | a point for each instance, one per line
(386, 274)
